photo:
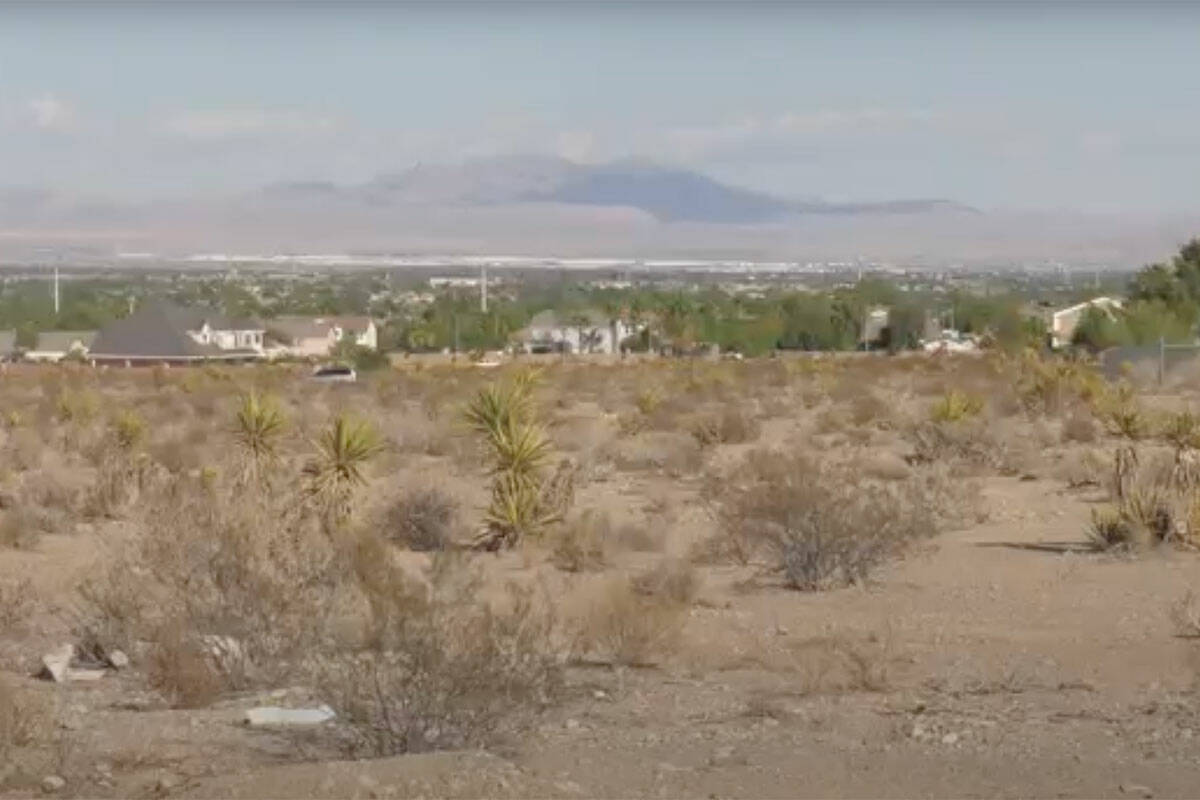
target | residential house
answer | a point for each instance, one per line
(54, 346)
(585, 332)
(1064, 321)
(161, 333)
(8, 345)
(874, 323)
(316, 337)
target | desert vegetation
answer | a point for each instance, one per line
(447, 557)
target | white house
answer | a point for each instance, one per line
(586, 332)
(1064, 321)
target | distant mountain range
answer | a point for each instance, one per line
(665, 193)
(548, 206)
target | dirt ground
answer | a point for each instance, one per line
(1002, 659)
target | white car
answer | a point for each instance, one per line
(335, 373)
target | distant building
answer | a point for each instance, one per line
(1064, 321)
(585, 332)
(8, 345)
(162, 333)
(874, 323)
(54, 346)
(316, 337)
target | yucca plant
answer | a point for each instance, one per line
(259, 424)
(343, 451)
(518, 449)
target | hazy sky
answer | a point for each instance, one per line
(1081, 106)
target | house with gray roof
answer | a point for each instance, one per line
(162, 333)
(54, 346)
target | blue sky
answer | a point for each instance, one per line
(1018, 106)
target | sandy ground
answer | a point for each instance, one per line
(1000, 660)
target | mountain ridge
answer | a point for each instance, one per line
(668, 194)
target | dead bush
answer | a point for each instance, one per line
(1080, 426)
(672, 580)
(972, 441)
(440, 668)
(181, 669)
(1186, 615)
(25, 719)
(731, 426)
(582, 542)
(618, 625)
(18, 529)
(640, 538)
(870, 408)
(17, 603)
(820, 525)
(218, 559)
(655, 451)
(422, 519)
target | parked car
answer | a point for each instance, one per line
(335, 373)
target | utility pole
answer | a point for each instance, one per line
(483, 288)
(56, 302)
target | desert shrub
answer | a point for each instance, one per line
(672, 580)
(24, 449)
(956, 406)
(639, 538)
(1186, 615)
(17, 603)
(657, 451)
(18, 529)
(25, 719)
(869, 408)
(201, 558)
(1144, 517)
(122, 477)
(1080, 426)
(1089, 468)
(618, 625)
(421, 519)
(127, 429)
(181, 669)
(582, 543)
(820, 525)
(733, 425)
(439, 667)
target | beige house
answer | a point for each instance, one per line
(1064, 321)
(316, 337)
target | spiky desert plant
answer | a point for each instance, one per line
(258, 426)
(342, 452)
(518, 448)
